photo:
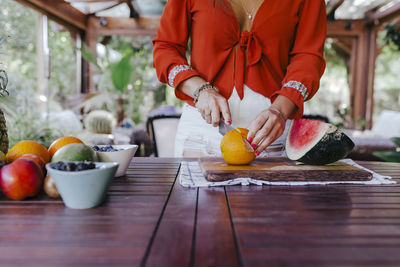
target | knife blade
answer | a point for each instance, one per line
(223, 128)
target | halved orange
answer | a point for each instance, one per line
(235, 149)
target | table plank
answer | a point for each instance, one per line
(148, 219)
(215, 240)
(319, 225)
(173, 240)
(43, 232)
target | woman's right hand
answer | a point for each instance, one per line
(212, 106)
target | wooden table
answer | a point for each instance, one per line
(150, 220)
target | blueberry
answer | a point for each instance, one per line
(106, 148)
(72, 166)
(58, 165)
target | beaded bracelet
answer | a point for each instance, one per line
(202, 87)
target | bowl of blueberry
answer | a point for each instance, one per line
(82, 185)
(122, 154)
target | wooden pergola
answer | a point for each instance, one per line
(356, 38)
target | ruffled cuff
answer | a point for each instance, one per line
(177, 75)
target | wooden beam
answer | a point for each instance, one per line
(353, 79)
(380, 17)
(59, 11)
(345, 28)
(362, 71)
(372, 55)
(110, 26)
(360, 101)
(91, 43)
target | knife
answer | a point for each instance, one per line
(223, 128)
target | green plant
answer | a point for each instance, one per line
(390, 156)
(121, 76)
(3, 76)
(393, 34)
(25, 120)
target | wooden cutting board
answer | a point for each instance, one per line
(281, 169)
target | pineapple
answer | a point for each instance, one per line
(3, 127)
(3, 133)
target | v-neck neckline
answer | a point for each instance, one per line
(237, 20)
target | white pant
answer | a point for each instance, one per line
(196, 138)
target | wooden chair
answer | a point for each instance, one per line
(162, 132)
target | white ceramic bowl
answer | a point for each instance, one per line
(84, 189)
(123, 156)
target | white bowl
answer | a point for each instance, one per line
(123, 156)
(83, 189)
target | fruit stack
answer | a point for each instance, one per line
(23, 174)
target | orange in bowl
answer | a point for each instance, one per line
(62, 141)
(235, 149)
(27, 147)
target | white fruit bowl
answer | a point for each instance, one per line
(123, 156)
(83, 189)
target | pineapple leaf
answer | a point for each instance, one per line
(3, 83)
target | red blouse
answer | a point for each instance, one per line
(284, 48)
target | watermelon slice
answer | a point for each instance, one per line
(316, 142)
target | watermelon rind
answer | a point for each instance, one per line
(330, 146)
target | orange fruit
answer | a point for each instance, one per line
(27, 147)
(37, 159)
(62, 141)
(235, 149)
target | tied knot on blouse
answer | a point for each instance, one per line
(249, 43)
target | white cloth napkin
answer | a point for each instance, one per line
(190, 175)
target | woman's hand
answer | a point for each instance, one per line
(212, 106)
(269, 125)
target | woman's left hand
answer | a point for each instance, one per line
(268, 126)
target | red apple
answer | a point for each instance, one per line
(21, 179)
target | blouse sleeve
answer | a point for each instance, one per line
(170, 44)
(307, 63)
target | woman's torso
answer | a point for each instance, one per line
(215, 30)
